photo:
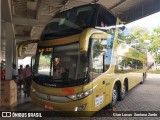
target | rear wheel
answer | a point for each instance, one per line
(114, 96)
(123, 92)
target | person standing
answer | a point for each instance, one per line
(2, 72)
(20, 80)
(27, 75)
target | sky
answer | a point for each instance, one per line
(24, 61)
(149, 22)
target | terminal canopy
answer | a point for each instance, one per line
(29, 17)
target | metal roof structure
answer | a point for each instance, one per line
(30, 16)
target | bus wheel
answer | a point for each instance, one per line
(123, 92)
(143, 79)
(114, 96)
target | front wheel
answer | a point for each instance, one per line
(114, 96)
(143, 79)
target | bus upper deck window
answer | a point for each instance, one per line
(105, 18)
(83, 16)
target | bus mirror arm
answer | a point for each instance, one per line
(22, 44)
(85, 36)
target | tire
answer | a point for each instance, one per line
(123, 92)
(143, 79)
(114, 96)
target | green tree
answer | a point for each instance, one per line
(97, 48)
(44, 62)
(155, 44)
(141, 35)
(155, 40)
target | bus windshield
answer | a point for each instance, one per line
(68, 23)
(69, 63)
(63, 64)
(44, 59)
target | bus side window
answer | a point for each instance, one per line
(101, 55)
(105, 18)
(83, 17)
(98, 58)
(125, 65)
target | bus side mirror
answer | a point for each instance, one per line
(122, 28)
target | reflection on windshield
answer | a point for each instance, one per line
(68, 63)
(59, 72)
(44, 63)
(101, 55)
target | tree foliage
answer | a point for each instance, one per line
(44, 62)
(141, 35)
(155, 40)
(97, 48)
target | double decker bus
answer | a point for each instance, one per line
(81, 64)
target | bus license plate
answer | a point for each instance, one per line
(48, 107)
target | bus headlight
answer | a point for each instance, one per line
(80, 95)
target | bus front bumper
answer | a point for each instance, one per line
(84, 104)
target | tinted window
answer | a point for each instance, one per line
(125, 65)
(44, 61)
(61, 66)
(105, 18)
(69, 22)
(101, 55)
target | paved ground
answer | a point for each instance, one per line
(143, 97)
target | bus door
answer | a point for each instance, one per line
(98, 56)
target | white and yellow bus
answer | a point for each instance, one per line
(81, 67)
